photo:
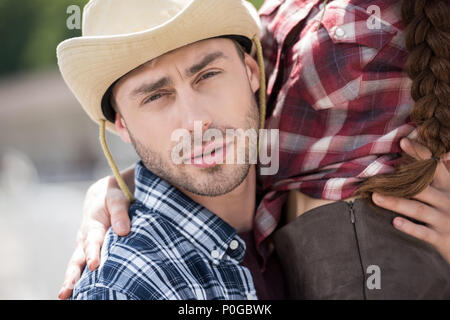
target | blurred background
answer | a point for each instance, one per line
(49, 150)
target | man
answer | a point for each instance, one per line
(184, 242)
(407, 207)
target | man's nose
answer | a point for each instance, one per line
(192, 110)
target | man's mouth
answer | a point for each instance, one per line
(209, 155)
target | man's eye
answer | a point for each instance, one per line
(153, 97)
(208, 75)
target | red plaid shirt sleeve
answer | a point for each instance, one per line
(338, 94)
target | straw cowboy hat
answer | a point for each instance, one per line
(120, 35)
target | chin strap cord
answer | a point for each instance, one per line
(111, 162)
(262, 88)
(262, 85)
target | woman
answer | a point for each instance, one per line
(343, 144)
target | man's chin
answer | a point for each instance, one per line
(212, 181)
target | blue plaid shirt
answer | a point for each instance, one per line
(177, 249)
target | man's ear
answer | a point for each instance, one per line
(121, 128)
(252, 69)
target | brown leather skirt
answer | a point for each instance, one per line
(350, 250)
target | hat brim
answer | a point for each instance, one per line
(90, 64)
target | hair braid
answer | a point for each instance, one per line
(428, 65)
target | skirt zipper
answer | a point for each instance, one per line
(353, 219)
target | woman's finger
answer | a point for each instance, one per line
(418, 231)
(434, 197)
(117, 205)
(411, 208)
(74, 268)
(92, 245)
(414, 149)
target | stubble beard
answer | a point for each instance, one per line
(214, 181)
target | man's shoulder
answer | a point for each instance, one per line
(140, 265)
(88, 288)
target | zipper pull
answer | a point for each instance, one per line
(352, 212)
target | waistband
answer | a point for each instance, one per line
(298, 203)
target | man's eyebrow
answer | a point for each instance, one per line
(207, 59)
(149, 87)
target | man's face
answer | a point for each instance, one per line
(207, 81)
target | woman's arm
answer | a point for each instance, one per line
(105, 205)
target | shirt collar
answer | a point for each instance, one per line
(205, 230)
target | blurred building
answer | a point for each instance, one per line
(41, 118)
(49, 155)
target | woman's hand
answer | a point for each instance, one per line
(431, 206)
(105, 205)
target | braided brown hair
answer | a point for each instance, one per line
(427, 31)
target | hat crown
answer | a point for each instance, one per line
(115, 17)
(120, 35)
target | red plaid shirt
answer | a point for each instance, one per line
(338, 95)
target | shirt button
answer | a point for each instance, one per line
(340, 33)
(215, 254)
(234, 244)
(251, 296)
